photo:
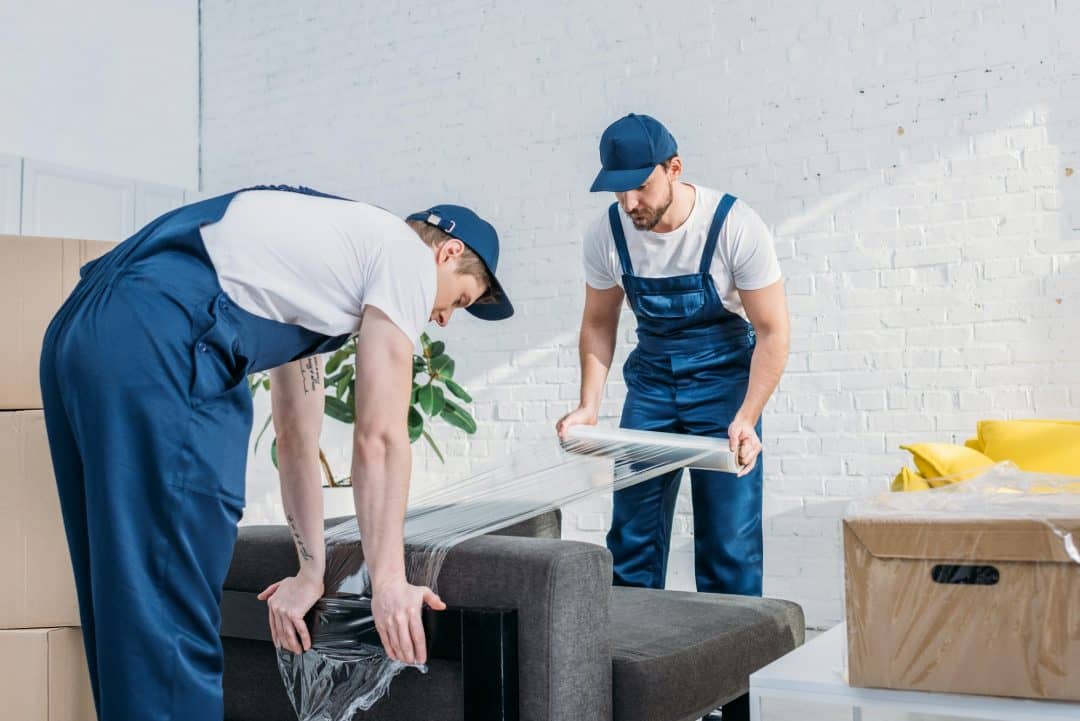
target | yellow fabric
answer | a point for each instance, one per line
(909, 480)
(1034, 445)
(1067, 488)
(944, 463)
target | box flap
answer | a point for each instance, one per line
(1005, 539)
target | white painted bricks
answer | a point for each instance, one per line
(911, 157)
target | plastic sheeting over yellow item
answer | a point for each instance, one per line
(909, 480)
(1034, 445)
(969, 588)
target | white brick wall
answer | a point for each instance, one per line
(913, 158)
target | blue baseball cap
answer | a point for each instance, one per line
(480, 236)
(630, 149)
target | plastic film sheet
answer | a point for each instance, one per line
(972, 587)
(343, 672)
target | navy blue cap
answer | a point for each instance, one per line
(481, 238)
(630, 149)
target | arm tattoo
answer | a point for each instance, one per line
(304, 555)
(309, 371)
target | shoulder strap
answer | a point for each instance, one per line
(620, 239)
(714, 231)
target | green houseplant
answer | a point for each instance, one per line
(433, 385)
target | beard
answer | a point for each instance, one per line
(646, 218)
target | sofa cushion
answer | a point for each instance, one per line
(1035, 445)
(678, 655)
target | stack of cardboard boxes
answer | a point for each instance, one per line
(43, 674)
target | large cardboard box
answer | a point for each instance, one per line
(36, 275)
(43, 676)
(38, 588)
(978, 606)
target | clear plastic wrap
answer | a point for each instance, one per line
(972, 587)
(346, 670)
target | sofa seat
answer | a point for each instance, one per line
(679, 655)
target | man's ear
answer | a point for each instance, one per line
(452, 248)
(675, 168)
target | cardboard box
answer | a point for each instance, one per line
(38, 588)
(43, 676)
(36, 275)
(977, 606)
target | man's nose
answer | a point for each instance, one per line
(630, 201)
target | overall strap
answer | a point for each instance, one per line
(620, 239)
(714, 231)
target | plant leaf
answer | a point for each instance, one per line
(443, 366)
(457, 390)
(339, 410)
(437, 349)
(337, 358)
(426, 398)
(431, 399)
(415, 419)
(343, 383)
(416, 425)
(440, 401)
(431, 442)
(273, 453)
(458, 417)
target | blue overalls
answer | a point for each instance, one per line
(148, 415)
(688, 374)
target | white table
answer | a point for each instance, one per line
(816, 673)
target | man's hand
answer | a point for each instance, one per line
(396, 608)
(583, 416)
(745, 443)
(289, 600)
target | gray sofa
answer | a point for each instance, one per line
(585, 651)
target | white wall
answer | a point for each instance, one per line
(912, 157)
(109, 87)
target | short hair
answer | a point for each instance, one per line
(469, 263)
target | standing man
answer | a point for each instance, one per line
(699, 270)
(148, 415)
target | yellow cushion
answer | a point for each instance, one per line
(1035, 445)
(974, 444)
(909, 480)
(944, 463)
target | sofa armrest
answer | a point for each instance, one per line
(561, 590)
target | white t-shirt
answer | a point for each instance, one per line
(318, 262)
(745, 257)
